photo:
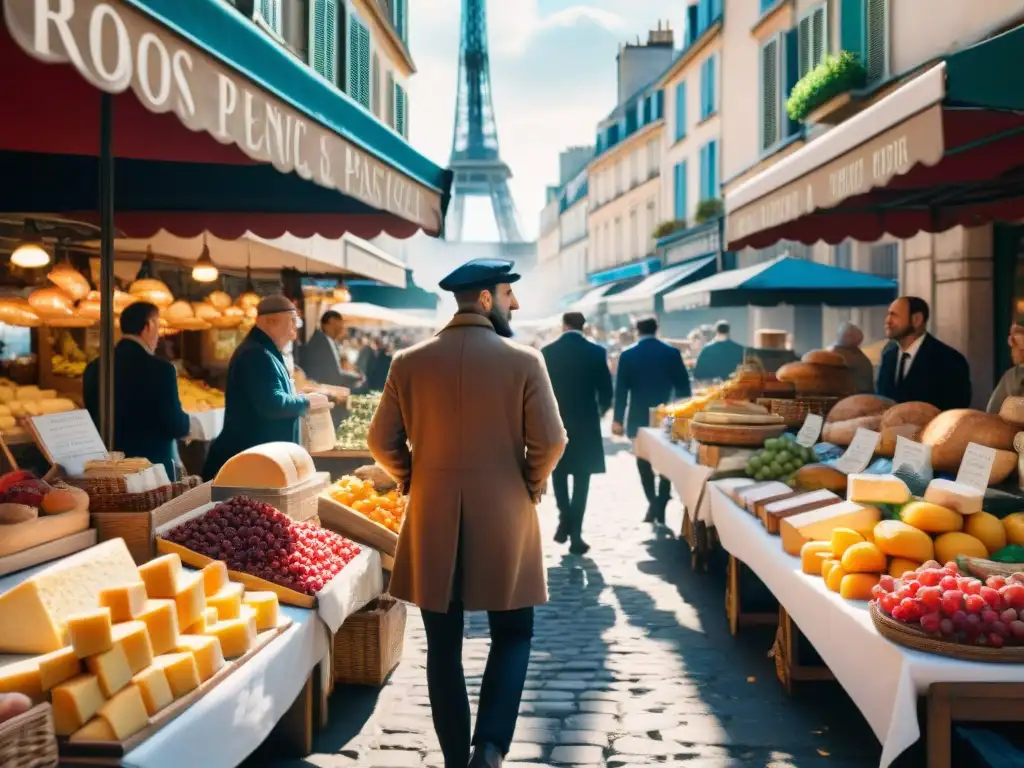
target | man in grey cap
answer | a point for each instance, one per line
(469, 426)
(261, 404)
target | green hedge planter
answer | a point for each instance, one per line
(839, 73)
(666, 228)
(709, 209)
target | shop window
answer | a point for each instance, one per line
(679, 194)
(680, 116)
(323, 40)
(864, 30)
(813, 38)
(296, 19)
(885, 260)
(14, 342)
(358, 60)
(707, 87)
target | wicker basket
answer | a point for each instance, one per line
(368, 646)
(101, 501)
(919, 640)
(746, 436)
(28, 740)
(794, 411)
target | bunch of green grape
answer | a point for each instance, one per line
(780, 458)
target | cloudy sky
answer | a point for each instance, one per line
(553, 78)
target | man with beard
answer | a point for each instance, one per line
(918, 367)
(469, 427)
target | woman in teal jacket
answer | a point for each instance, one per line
(261, 404)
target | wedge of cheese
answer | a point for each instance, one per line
(156, 691)
(161, 620)
(125, 601)
(877, 489)
(111, 669)
(43, 602)
(75, 702)
(161, 577)
(215, 577)
(206, 651)
(89, 632)
(181, 671)
(133, 638)
(125, 713)
(228, 601)
(959, 497)
(818, 524)
(190, 598)
(266, 606)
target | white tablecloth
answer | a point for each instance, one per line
(680, 466)
(883, 679)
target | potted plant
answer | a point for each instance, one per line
(709, 209)
(826, 88)
(666, 228)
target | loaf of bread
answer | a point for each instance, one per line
(814, 379)
(842, 432)
(824, 357)
(915, 413)
(949, 433)
(857, 406)
(1012, 411)
(887, 441)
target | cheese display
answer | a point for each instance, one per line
(236, 636)
(811, 556)
(814, 477)
(228, 601)
(959, 497)
(215, 577)
(775, 512)
(197, 396)
(133, 638)
(161, 576)
(181, 670)
(271, 465)
(161, 620)
(877, 489)
(190, 598)
(819, 524)
(842, 539)
(125, 713)
(265, 608)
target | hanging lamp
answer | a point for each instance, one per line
(249, 298)
(69, 279)
(30, 254)
(148, 288)
(342, 295)
(204, 270)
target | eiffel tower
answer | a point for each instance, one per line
(477, 165)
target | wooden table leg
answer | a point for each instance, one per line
(940, 728)
(295, 730)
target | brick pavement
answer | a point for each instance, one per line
(632, 665)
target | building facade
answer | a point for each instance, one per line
(768, 48)
(360, 46)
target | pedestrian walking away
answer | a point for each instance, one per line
(650, 373)
(481, 417)
(583, 388)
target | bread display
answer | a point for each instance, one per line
(916, 413)
(842, 432)
(1012, 411)
(824, 357)
(949, 433)
(857, 406)
(817, 379)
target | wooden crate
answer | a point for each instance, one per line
(136, 528)
(967, 702)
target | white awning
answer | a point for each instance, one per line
(360, 313)
(593, 300)
(641, 297)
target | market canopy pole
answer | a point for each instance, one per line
(106, 210)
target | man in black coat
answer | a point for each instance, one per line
(583, 388)
(918, 367)
(147, 410)
(650, 373)
(321, 359)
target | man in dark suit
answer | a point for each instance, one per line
(261, 405)
(918, 367)
(579, 374)
(147, 410)
(321, 359)
(650, 373)
(720, 358)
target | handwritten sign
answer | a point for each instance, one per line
(912, 455)
(976, 466)
(859, 453)
(69, 439)
(810, 431)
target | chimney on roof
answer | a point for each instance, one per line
(640, 64)
(661, 36)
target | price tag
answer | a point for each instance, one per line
(860, 452)
(976, 466)
(810, 431)
(913, 455)
(69, 439)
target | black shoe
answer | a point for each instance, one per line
(579, 547)
(486, 756)
(562, 534)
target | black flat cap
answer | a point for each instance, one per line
(479, 274)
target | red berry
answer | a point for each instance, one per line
(930, 622)
(975, 604)
(948, 583)
(971, 586)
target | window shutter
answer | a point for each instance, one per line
(400, 110)
(712, 60)
(375, 85)
(330, 41)
(391, 102)
(852, 15)
(679, 185)
(703, 15)
(712, 191)
(400, 19)
(364, 65)
(318, 37)
(680, 110)
(805, 46)
(819, 34)
(352, 57)
(659, 105)
(769, 94)
(791, 75)
(875, 39)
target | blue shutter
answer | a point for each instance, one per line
(323, 39)
(400, 111)
(703, 16)
(680, 110)
(716, 10)
(659, 105)
(703, 184)
(791, 73)
(692, 32)
(352, 57)
(712, 106)
(712, 169)
(401, 19)
(364, 65)
(679, 184)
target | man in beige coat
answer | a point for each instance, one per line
(469, 426)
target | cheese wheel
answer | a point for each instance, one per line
(271, 465)
(949, 433)
(842, 432)
(858, 406)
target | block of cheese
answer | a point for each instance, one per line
(215, 577)
(776, 511)
(56, 667)
(89, 632)
(818, 524)
(125, 713)
(271, 465)
(190, 599)
(161, 620)
(950, 494)
(207, 619)
(75, 702)
(161, 576)
(133, 637)
(811, 555)
(237, 636)
(207, 652)
(751, 495)
(96, 729)
(125, 601)
(877, 489)
(266, 607)
(181, 670)
(43, 602)
(23, 677)
(156, 691)
(111, 669)
(228, 601)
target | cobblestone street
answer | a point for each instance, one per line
(632, 665)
